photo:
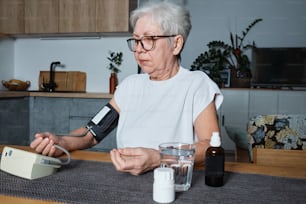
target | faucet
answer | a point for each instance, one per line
(51, 85)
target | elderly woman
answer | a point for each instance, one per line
(166, 103)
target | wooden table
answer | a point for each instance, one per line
(229, 166)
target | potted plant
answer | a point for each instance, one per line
(221, 55)
(115, 60)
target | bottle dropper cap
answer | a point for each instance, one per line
(215, 140)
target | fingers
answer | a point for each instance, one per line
(125, 163)
(118, 160)
(133, 160)
(36, 142)
(114, 159)
(43, 144)
(46, 146)
(131, 152)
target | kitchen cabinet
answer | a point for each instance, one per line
(59, 16)
(277, 102)
(14, 121)
(41, 16)
(263, 102)
(12, 16)
(292, 102)
(77, 16)
(113, 16)
(49, 114)
(55, 17)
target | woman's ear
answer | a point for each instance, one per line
(178, 44)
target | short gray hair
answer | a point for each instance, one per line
(173, 19)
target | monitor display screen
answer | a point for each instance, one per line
(279, 67)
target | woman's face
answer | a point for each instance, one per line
(160, 62)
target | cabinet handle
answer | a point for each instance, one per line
(222, 122)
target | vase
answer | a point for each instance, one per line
(239, 80)
(113, 82)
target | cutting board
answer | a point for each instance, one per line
(74, 81)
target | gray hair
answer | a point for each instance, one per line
(173, 19)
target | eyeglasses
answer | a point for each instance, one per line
(146, 42)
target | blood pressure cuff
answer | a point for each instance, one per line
(103, 122)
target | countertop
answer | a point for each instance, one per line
(16, 94)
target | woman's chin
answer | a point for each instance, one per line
(146, 70)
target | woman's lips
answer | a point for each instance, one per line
(142, 62)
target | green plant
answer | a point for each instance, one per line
(221, 55)
(115, 59)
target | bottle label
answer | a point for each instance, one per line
(214, 165)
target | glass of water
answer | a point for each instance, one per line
(180, 157)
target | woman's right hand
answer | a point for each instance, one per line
(44, 144)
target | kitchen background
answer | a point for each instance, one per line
(283, 25)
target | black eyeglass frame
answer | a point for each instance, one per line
(153, 38)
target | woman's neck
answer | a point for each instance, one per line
(166, 73)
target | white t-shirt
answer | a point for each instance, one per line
(154, 112)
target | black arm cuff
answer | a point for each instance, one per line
(103, 122)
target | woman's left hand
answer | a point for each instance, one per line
(135, 160)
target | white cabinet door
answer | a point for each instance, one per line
(263, 102)
(291, 102)
(234, 113)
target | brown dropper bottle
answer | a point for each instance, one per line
(214, 168)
